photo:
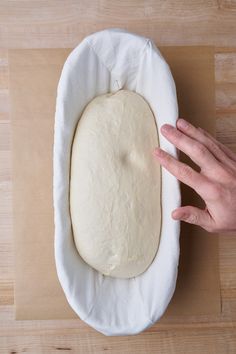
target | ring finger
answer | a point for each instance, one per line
(194, 149)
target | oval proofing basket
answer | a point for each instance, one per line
(104, 62)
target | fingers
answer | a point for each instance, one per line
(222, 153)
(196, 216)
(194, 149)
(229, 153)
(182, 172)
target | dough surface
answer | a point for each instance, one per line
(115, 185)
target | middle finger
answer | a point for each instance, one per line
(195, 150)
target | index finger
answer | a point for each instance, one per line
(191, 147)
(181, 171)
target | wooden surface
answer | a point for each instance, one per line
(63, 23)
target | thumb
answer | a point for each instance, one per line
(196, 216)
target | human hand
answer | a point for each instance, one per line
(215, 183)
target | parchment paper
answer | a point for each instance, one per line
(34, 75)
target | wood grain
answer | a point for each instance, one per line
(50, 24)
(56, 24)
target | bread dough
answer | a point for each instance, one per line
(115, 200)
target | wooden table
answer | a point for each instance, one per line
(63, 23)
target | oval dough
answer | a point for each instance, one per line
(115, 185)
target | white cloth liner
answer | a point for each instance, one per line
(107, 61)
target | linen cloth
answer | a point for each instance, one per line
(103, 62)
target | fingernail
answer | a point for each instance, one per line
(176, 215)
(182, 123)
(157, 152)
(166, 128)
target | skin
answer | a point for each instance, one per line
(215, 183)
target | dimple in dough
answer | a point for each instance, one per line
(115, 194)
